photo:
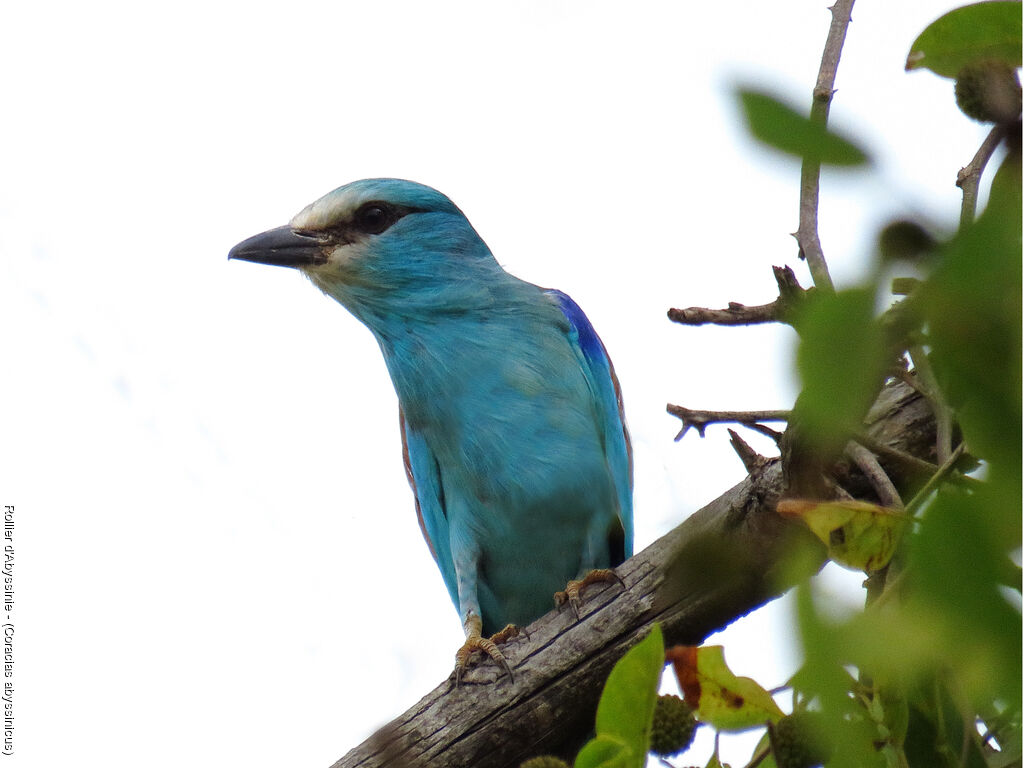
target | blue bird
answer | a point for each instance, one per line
(513, 433)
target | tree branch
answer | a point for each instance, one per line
(810, 169)
(910, 464)
(932, 390)
(719, 564)
(969, 177)
(880, 481)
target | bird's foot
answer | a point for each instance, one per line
(489, 645)
(573, 589)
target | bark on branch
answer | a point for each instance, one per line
(719, 564)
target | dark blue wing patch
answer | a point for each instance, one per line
(588, 340)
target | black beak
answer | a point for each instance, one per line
(282, 247)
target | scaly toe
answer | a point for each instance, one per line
(506, 633)
(474, 642)
(572, 591)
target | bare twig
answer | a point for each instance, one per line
(810, 170)
(969, 176)
(766, 431)
(935, 480)
(868, 464)
(734, 314)
(699, 420)
(932, 390)
(778, 311)
(909, 461)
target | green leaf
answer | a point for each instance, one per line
(782, 127)
(980, 32)
(604, 752)
(720, 698)
(764, 747)
(624, 713)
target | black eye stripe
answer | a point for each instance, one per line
(376, 216)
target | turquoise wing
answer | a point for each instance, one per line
(424, 474)
(600, 373)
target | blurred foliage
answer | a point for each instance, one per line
(929, 673)
(840, 380)
(904, 240)
(782, 127)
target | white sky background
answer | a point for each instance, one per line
(217, 557)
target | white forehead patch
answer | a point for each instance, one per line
(329, 210)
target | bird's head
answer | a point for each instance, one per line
(382, 247)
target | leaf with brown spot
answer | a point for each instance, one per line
(859, 536)
(721, 699)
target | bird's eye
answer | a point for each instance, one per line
(374, 218)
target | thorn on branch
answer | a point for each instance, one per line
(752, 460)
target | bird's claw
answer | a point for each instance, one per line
(572, 591)
(489, 645)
